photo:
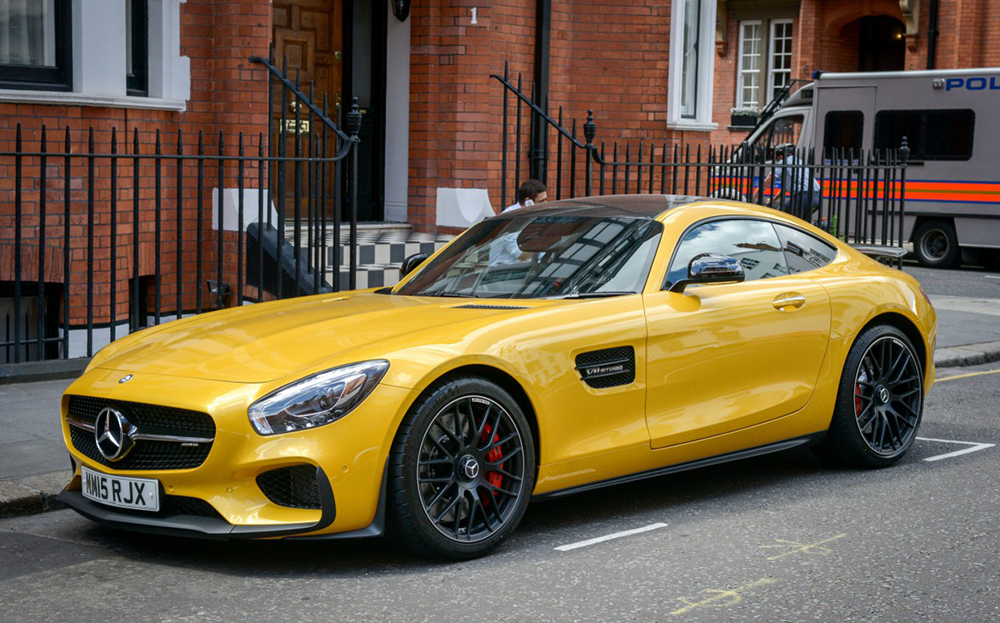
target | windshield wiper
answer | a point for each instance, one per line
(595, 295)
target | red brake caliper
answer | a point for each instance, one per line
(493, 456)
(857, 400)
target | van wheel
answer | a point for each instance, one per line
(936, 245)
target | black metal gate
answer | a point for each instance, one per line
(856, 196)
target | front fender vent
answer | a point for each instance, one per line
(609, 367)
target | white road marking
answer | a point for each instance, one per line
(992, 276)
(974, 446)
(609, 537)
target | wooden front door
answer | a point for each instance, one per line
(309, 34)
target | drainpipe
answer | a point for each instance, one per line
(932, 35)
(538, 150)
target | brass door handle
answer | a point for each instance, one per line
(789, 301)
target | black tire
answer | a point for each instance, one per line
(463, 423)
(935, 244)
(870, 428)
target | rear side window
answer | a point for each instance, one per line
(842, 130)
(753, 242)
(931, 134)
(802, 251)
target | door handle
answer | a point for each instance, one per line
(789, 301)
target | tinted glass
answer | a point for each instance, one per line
(843, 130)
(542, 256)
(802, 251)
(931, 134)
(754, 243)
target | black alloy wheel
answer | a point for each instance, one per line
(879, 400)
(470, 472)
(462, 471)
(888, 393)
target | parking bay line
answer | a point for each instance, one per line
(609, 537)
(965, 376)
(973, 447)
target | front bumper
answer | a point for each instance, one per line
(349, 457)
(179, 524)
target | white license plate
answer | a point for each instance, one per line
(141, 494)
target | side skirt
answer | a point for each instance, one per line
(788, 444)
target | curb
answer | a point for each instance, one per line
(30, 495)
(967, 355)
(42, 370)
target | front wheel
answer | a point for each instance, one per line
(879, 401)
(462, 469)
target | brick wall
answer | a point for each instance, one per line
(228, 95)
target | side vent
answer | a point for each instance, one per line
(609, 367)
(478, 306)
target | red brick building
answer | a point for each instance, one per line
(666, 71)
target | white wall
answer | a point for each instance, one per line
(397, 118)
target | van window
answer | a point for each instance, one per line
(785, 130)
(843, 130)
(931, 134)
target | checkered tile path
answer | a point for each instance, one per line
(381, 251)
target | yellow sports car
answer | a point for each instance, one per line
(545, 351)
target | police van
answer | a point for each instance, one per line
(949, 120)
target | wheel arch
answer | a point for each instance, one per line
(505, 380)
(908, 327)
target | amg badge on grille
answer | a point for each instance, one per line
(609, 367)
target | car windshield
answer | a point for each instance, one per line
(542, 256)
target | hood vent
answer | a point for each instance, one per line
(479, 306)
(609, 367)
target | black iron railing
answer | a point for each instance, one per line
(855, 195)
(103, 233)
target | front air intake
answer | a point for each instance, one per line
(609, 367)
(294, 487)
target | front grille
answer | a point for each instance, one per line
(148, 419)
(609, 367)
(295, 486)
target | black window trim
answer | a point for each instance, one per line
(137, 83)
(917, 150)
(665, 285)
(58, 78)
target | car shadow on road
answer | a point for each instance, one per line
(773, 482)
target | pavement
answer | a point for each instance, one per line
(34, 464)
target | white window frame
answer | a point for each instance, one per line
(98, 60)
(739, 63)
(702, 120)
(770, 55)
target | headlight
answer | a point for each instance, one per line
(316, 400)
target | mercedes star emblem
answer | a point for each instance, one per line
(112, 434)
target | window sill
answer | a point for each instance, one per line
(55, 98)
(692, 126)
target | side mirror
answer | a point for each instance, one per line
(410, 263)
(711, 268)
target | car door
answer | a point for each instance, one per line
(723, 357)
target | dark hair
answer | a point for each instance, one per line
(529, 190)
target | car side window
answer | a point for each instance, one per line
(753, 242)
(802, 251)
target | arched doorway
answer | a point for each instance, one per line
(881, 44)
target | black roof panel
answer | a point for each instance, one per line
(634, 206)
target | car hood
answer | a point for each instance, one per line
(265, 342)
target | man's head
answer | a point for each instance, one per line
(781, 152)
(533, 190)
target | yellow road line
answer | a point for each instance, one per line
(965, 376)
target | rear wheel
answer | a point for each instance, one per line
(461, 471)
(935, 244)
(879, 401)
